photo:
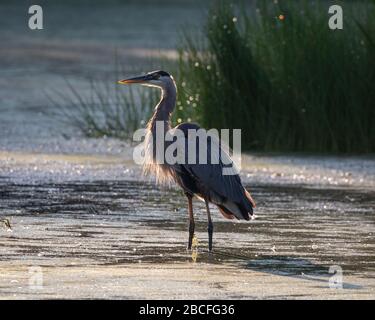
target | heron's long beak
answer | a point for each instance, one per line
(141, 79)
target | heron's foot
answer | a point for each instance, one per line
(193, 242)
(189, 243)
(191, 234)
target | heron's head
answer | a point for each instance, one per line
(159, 79)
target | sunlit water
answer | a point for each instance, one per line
(298, 231)
(313, 212)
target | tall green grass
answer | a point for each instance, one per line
(105, 110)
(291, 84)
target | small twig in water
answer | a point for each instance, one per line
(6, 224)
(93, 210)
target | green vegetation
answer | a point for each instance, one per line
(112, 111)
(274, 70)
(290, 84)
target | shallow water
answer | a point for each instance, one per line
(80, 41)
(76, 209)
(298, 230)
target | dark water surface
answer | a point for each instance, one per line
(298, 231)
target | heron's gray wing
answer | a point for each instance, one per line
(211, 172)
(223, 189)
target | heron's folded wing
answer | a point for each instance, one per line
(213, 173)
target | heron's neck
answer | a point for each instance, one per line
(161, 119)
(164, 109)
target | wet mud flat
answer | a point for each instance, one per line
(127, 239)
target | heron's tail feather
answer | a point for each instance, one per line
(231, 209)
(226, 213)
(250, 198)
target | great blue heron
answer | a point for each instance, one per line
(205, 181)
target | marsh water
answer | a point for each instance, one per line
(80, 209)
(298, 230)
(81, 41)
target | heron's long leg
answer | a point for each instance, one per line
(191, 221)
(210, 227)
